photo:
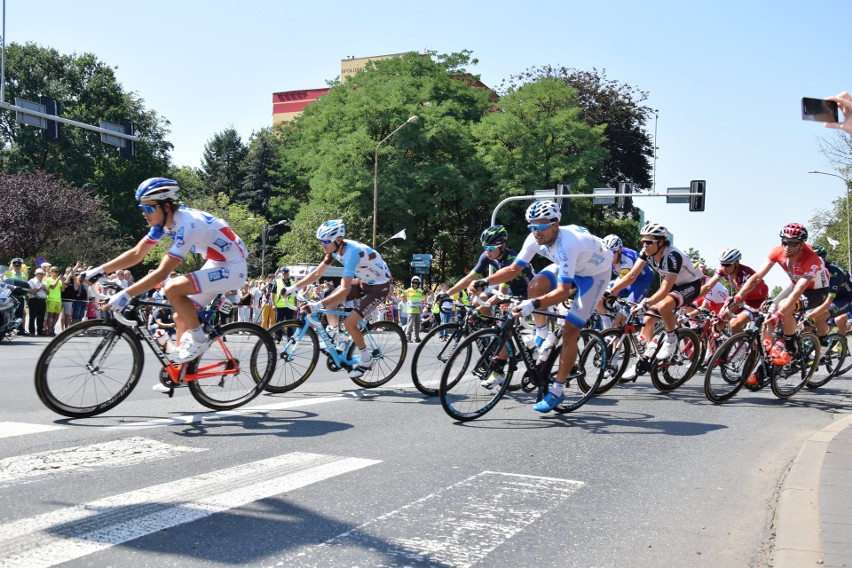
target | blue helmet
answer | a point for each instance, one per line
(157, 189)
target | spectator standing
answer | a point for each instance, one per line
(37, 303)
(68, 295)
(81, 298)
(54, 300)
(245, 302)
(18, 271)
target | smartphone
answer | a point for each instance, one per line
(819, 110)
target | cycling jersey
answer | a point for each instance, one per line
(807, 264)
(838, 282)
(757, 294)
(642, 285)
(575, 251)
(196, 231)
(518, 285)
(674, 261)
(717, 294)
(362, 262)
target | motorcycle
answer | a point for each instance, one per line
(13, 292)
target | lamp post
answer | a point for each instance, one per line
(264, 233)
(376, 172)
(848, 231)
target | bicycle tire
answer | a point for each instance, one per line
(666, 376)
(238, 344)
(590, 367)
(617, 360)
(296, 359)
(431, 355)
(461, 392)
(387, 341)
(834, 356)
(68, 387)
(730, 366)
(848, 363)
(789, 379)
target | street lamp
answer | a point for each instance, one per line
(848, 231)
(376, 172)
(264, 233)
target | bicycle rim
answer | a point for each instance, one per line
(296, 358)
(235, 368)
(832, 360)
(431, 355)
(670, 374)
(88, 369)
(729, 367)
(618, 355)
(387, 342)
(789, 379)
(461, 392)
(589, 369)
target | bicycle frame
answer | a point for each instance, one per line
(337, 357)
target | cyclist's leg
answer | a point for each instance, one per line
(374, 296)
(541, 284)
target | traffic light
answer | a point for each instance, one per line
(127, 149)
(623, 201)
(51, 132)
(696, 202)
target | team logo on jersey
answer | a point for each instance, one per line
(222, 244)
(179, 240)
(220, 274)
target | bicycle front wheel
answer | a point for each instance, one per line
(618, 355)
(297, 355)
(790, 379)
(235, 368)
(730, 366)
(462, 393)
(670, 374)
(88, 369)
(431, 355)
(387, 342)
(831, 362)
(586, 376)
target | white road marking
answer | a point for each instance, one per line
(118, 453)
(457, 526)
(210, 416)
(74, 532)
(9, 429)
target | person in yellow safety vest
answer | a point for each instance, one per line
(285, 305)
(414, 303)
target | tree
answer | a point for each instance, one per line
(259, 173)
(221, 167)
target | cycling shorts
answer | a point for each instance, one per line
(367, 297)
(840, 306)
(590, 290)
(685, 293)
(215, 278)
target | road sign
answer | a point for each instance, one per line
(603, 196)
(677, 195)
(111, 140)
(28, 118)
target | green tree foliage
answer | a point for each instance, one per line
(222, 164)
(87, 90)
(259, 182)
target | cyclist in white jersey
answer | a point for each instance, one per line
(581, 261)
(680, 285)
(364, 270)
(190, 230)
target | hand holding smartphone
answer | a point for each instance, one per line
(819, 110)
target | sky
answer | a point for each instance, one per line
(726, 78)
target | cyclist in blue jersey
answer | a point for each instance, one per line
(190, 231)
(364, 271)
(622, 262)
(839, 300)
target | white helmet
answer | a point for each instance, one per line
(330, 230)
(544, 209)
(612, 242)
(654, 230)
(415, 279)
(730, 256)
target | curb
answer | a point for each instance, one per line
(798, 538)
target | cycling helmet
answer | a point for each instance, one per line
(821, 251)
(494, 235)
(654, 230)
(157, 189)
(544, 209)
(415, 279)
(612, 242)
(330, 230)
(794, 231)
(16, 261)
(730, 256)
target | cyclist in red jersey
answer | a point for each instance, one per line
(810, 279)
(737, 274)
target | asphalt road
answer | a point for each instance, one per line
(333, 474)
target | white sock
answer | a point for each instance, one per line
(557, 388)
(541, 331)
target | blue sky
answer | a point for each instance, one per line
(725, 76)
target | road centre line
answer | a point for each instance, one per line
(10, 429)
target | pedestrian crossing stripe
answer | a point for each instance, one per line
(74, 532)
(11, 429)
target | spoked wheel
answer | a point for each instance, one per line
(474, 362)
(235, 368)
(431, 355)
(832, 360)
(387, 342)
(669, 374)
(297, 355)
(618, 355)
(730, 366)
(587, 372)
(789, 379)
(88, 369)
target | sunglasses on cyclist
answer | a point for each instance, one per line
(726, 265)
(490, 248)
(148, 209)
(648, 241)
(539, 227)
(325, 242)
(787, 243)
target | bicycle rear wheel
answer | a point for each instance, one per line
(831, 361)
(586, 376)
(297, 355)
(431, 355)
(235, 368)
(618, 355)
(790, 379)
(387, 342)
(461, 392)
(730, 366)
(670, 374)
(88, 369)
